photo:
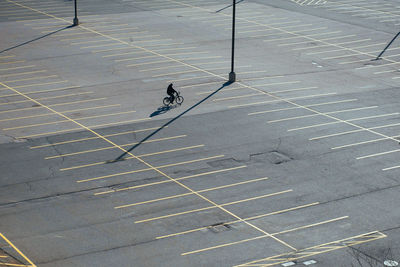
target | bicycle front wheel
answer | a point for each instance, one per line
(166, 101)
(179, 100)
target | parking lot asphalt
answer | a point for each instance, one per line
(295, 163)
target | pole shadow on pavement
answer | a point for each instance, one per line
(219, 10)
(36, 39)
(121, 157)
(387, 46)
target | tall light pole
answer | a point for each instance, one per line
(232, 74)
(76, 21)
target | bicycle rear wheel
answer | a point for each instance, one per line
(166, 101)
(179, 100)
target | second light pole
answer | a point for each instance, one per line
(232, 74)
(76, 20)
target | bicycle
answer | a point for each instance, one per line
(178, 99)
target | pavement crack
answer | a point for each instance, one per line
(360, 194)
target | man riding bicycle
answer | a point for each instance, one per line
(171, 92)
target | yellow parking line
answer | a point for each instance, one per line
(52, 114)
(93, 126)
(12, 62)
(92, 41)
(44, 91)
(13, 264)
(213, 207)
(236, 97)
(165, 67)
(78, 119)
(33, 78)
(177, 48)
(169, 181)
(79, 38)
(110, 25)
(17, 250)
(280, 100)
(263, 236)
(1, 57)
(286, 27)
(39, 84)
(321, 40)
(190, 193)
(131, 47)
(313, 105)
(123, 29)
(74, 33)
(54, 27)
(211, 62)
(147, 63)
(45, 98)
(294, 89)
(170, 60)
(122, 54)
(160, 45)
(21, 73)
(311, 225)
(329, 123)
(348, 55)
(60, 104)
(134, 38)
(95, 46)
(200, 58)
(222, 90)
(279, 83)
(263, 78)
(193, 78)
(238, 221)
(282, 33)
(365, 142)
(202, 84)
(321, 114)
(386, 71)
(301, 36)
(183, 72)
(272, 24)
(335, 44)
(112, 147)
(16, 68)
(55, 23)
(379, 154)
(135, 58)
(140, 156)
(157, 40)
(152, 56)
(391, 168)
(147, 169)
(94, 137)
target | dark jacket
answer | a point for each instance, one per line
(170, 90)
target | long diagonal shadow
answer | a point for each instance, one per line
(387, 46)
(121, 157)
(228, 6)
(38, 38)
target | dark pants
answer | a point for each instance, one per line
(172, 97)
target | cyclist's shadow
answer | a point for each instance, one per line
(163, 109)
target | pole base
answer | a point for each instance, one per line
(76, 22)
(232, 77)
